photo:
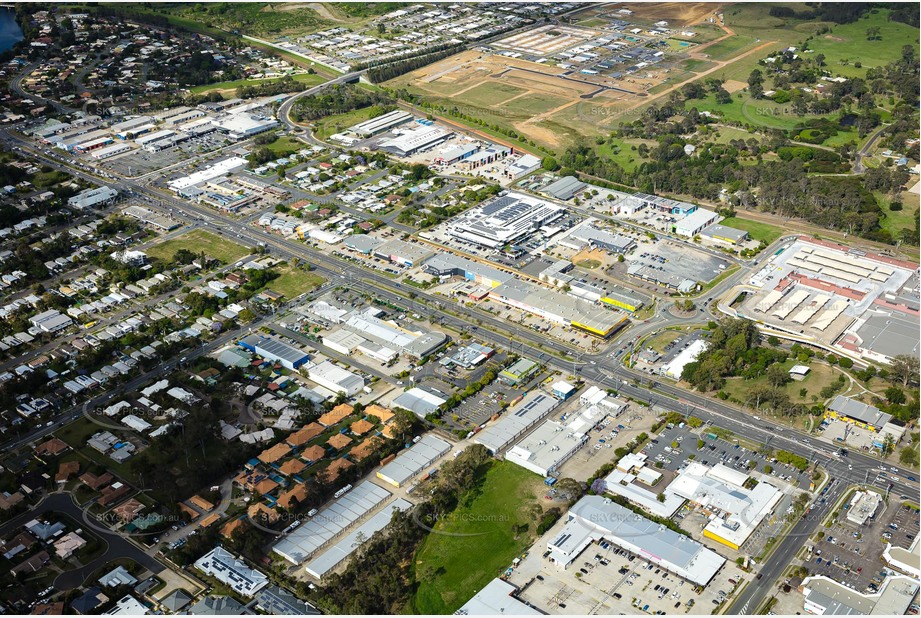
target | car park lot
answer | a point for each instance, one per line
(607, 580)
(851, 554)
(716, 451)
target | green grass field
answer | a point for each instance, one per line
(848, 42)
(628, 158)
(302, 78)
(198, 241)
(491, 93)
(895, 221)
(284, 146)
(763, 232)
(820, 376)
(730, 47)
(337, 123)
(464, 564)
(252, 18)
(294, 282)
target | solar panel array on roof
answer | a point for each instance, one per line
(498, 204)
(333, 519)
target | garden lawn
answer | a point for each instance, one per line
(485, 545)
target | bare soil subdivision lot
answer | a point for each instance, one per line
(534, 99)
(675, 13)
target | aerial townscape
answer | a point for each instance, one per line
(474, 308)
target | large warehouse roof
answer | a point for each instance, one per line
(446, 264)
(593, 517)
(413, 460)
(565, 188)
(517, 420)
(419, 401)
(320, 529)
(496, 600)
(851, 408)
(550, 302)
(335, 555)
(504, 220)
(273, 349)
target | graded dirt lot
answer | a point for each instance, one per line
(675, 13)
(535, 99)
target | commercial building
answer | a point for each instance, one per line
(586, 235)
(864, 505)
(484, 157)
(675, 367)
(221, 168)
(518, 372)
(504, 221)
(725, 234)
(388, 334)
(456, 153)
(447, 265)
(415, 140)
(51, 321)
(403, 253)
(243, 126)
(594, 518)
(362, 243)
(419, 401)
(547, 448)
(516, 421)
(153, 137)
(93, 197)
(273, 350)
(232, 571)
(525, 164)
(497, 599)
(150, 217)
(665, 205)
(562, 389)
(413, 460)
(111, 151)
(824, 596)
(559, 308)
(381, 124)
(93, 144)
(719, 492)
(695, 222)
(469, 356)
(857, 413)
(633, 480)
(565, 188)
(335, 378)
(133, 123)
